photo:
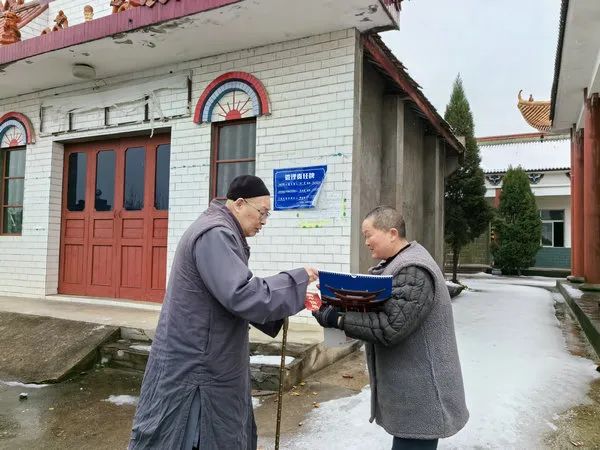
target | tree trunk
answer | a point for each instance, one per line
(455, 254)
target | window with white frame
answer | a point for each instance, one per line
(553, 227)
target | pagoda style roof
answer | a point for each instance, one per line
(535, 113)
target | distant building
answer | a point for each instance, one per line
(545, 156)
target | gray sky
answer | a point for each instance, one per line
(498, 46)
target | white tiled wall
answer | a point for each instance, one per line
(310, 86)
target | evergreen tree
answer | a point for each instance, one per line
(467, 213)
(517, 227)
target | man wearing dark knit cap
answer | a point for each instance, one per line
(196, 391)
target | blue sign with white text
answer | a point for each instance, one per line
(297, 188)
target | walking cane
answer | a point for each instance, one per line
(281, 377)
(312, 303)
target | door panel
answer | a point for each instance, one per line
(73, 272)
(131, 269)
(102, 263)
(115, 219)
(74, 237)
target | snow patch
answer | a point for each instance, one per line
(572, 291)
(25, 385)
(142, 348)
(122, 399)
(268, 360)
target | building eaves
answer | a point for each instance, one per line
(535, 113)
(532, 155)
(521, 137)
(558, 60)
(383, 57)
(113, 24)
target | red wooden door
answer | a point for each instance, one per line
(114, 222)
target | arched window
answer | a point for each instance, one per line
(15, 133)
(231, 103)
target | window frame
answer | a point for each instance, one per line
(552, 221)
(3, 181)
(214, 161)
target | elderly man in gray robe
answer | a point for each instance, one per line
(417, 392)
(196, 391)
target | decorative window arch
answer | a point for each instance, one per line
(233, 95)
(15, 130)
(15, 133)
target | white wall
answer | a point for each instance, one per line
(552, 184)
(310, 83)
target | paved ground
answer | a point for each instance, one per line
(530, 380)
(77, 414)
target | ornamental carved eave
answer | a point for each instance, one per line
(14, 15)
(535, 113)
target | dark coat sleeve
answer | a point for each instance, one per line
(230, 281)
(269, 328)
(412, 300)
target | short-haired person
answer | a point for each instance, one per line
(417, 392)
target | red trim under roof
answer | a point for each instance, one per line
(129, 20)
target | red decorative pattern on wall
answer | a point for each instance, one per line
(24, 120)
(244, 77)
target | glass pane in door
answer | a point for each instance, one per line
(133, 194)
(105, 181)
(76, 181)
(161, 191)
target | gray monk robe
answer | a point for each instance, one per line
(196, 389)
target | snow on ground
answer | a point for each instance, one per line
(517, 371)
(25, 385)
(573, 291)
(140, 347)
(499, 279)
(268, 360)
(122, 400)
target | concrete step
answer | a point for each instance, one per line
(125, 354)
(301, 360)
(586, 308)
(307, 359)
(37, 349)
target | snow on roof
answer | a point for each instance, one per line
(539, 155)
